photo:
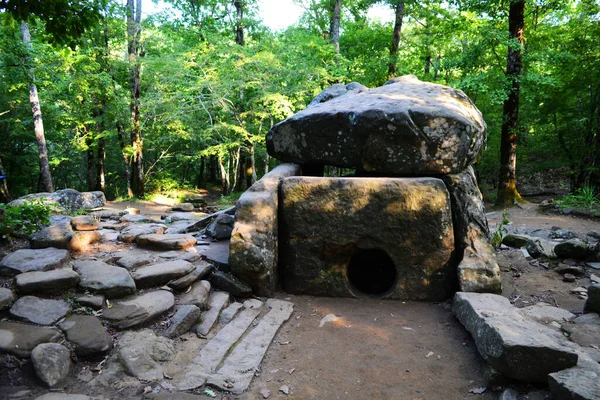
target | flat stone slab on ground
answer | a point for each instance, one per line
(217, 302)
(131, 232)
(87, 334)
(84, 223)
(182, 321)
(201, 270)
(137, 218)
(26, 260)
(162, 273)
(136, 310)
(57, 280)
(545, 314)
(197, 295)
(39, 311)
(93, 301)
(65, 396)
(166, 241)
(97, 276)
(585, 335)
(52, 363)
(131, 261)
(6, 298)
(575, 384)
(230, 312)
(20, 339)
(515, 346)
(140, 352)
(217, 253)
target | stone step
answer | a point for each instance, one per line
(97, 276)
(217, 302)
(39, 311)
(166, 241)
(20, 339)
(130, 233)
(212, 354)
(87, 335)
(136, 310)
(160, 274)
(240, 365)
(27, 260)
(201, 270)
(57, 280)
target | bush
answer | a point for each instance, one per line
(584, 198)
(24, 219)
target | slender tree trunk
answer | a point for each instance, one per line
(428, 54)
(253, 177)
(38, 123)
(91, 184)
(4, 193)
(507, 183)
(393, 65)
(436, 69)
(266, 163)
(334, 25)
(122, 141)
(239, 28)
(101, 165)
(200, 180)
(224, 178)
(134, 16)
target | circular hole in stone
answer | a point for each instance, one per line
(371, 271)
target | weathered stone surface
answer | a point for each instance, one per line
(131, 261)
(186, 216)
(84, 223)
(253, 303)
(221, 227)
(52, 363)
(26, 260)
(217, 253)
(337, 90)
(141, 352)
(241, 365)
(538, 247)
(159, 274)
(58, 236)
(106, 214)
(187, 207)
(56, 281)
(330, 222)
(406, 127)
(65, 396)
(478, 269)
(254, 241)
(585, 335)
(217, 302)
(166, 241)
(229, 283)
(20, 339)
(108, 235)
(590, 318)
(68, 199)
(130, 233)
(573, 248)
(230, 312)
(39, 311)
(136, 310)
(136, 218)
(575, 384)
(6, 298)
(201, 270)
(97, 276)
(515, 240)
(517, 347)
(210, 357)
(180, 227)
(93, 301)
(82, 240)
(593, 302)
(197, 296)
(546, 314)
(509, 394)
(182, 321)
(87, 334)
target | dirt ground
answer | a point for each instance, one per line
(379, 349)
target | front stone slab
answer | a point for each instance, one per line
(390, 237)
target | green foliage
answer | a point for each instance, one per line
(498, 235)
(229, 200)
(584, 198)
(24, 219)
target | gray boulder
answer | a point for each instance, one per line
(141, 352)
(39, 311)
(52, 363)
(575, 384)
(221, 227)
(68, 199)
(182, 321)
(97, 276)
(84, 223)
(20, 339)
(94, 301)
(517, 347)
(166, 241)
(337, 90)
(227, 282)
(197, 296)
(26, 260)
(6, 298)
(538, 247)
(573, 248)
(87, 335)
(159, 274)
(136, 310)
(515, 240)
(132, 261)
(593, 302)
(63, 237)
(55, 281)
(185, 207)
(406, 127)
(201, 270)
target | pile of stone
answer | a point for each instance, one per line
(69, 299)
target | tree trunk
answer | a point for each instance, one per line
(121, 135)
(91, 184)
(253, 177)
(224, 178)
(4, 194)
(38, 123)
(239, 28)
(100, 166)
(393, 65)
(134, 16)
(507, 183)
(436, 70)
(212, 169)
(200, 180)
(334, 25)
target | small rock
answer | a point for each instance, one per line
(52, 363)
(579, 290)
(141, 351)
(186, 207)
(514, 240)
(39, 311)
(563, 234)
(57, 280)
(84, 223)
(575, 383)
(197, 295)
(56, 236)
(130, 233)
(595, 279)
(569, 278)
(265, 393)
(229, 283)
(570, 269)
(87, 334)
(136, 218)
(326, 319)
(6, 298)
(184, 319)
(95, 302)
(253, 303)
(285, 389)
(221, 227)
(538, 247)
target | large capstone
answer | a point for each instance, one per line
(391, 237)
(406, 127)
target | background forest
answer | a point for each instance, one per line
(184, 98)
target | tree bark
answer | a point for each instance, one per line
(101, 165)
(91, 184)
(38, 123)
(507, 183)
(134, 16)
(334, 25)
(224, 177)
(122, 140)
(393, 65)
(239, 28)
(200, 180)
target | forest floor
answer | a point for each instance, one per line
(377, 349)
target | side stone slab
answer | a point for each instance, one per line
(253, 248)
